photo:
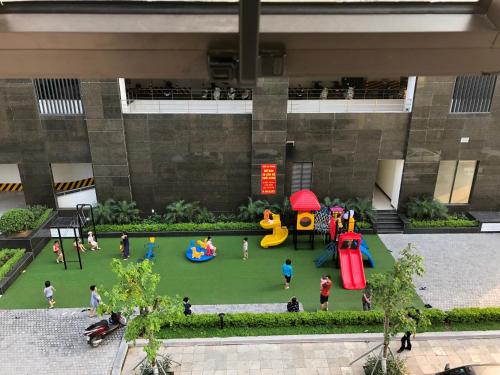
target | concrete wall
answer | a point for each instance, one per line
(33, 142)
(9, 173)
(435, 135)
(344, 149)
(65, 172)
(202, 158)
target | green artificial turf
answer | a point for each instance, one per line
(227, 279)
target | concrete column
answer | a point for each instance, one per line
(23, 140)
(269, 129)
(101, 101)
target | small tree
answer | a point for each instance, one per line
(135, 292)
(393, 292)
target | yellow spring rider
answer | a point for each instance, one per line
(279, 234)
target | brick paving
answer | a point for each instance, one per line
(51, 342)
(308, 358)
(462, 270)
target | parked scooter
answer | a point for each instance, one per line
(97, 331)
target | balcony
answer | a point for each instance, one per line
(187, 100)
(347, 100)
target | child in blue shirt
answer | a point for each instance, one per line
(287, 271)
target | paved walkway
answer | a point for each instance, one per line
(51, 342)
(326, 354)
(462, 270)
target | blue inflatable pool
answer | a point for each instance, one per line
(203, 258)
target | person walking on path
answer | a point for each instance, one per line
(245, 248)
(406, 339)
(95, 300)
(48, 292)
(287, 271)
(325, 286)
(126, 248)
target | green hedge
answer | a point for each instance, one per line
(178, 227)
(8, 258)
(445, 223)
(16, 220)
(331, 318)
(42, 218)
(364, 224)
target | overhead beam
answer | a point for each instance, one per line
(249, 21)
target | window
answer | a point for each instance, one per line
(473, 94)
(301, 176)
(58, 96)
(454, 181)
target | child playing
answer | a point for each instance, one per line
(78, 245)
(48, 292)
(57, 250)
(211, 247)
(121, 247)
(95, 300)
(92, 242)
(245, 248)
(366, 300)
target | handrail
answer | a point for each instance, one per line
(344, 93)
(186, 93)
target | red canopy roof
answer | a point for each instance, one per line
(304, 200)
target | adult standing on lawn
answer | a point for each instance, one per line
(126, 246)
(287, 271)
(325, 285)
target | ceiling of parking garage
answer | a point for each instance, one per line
(136, 40)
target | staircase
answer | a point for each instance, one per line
(388, 221)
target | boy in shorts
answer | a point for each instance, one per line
(325, 285)
(48, 292)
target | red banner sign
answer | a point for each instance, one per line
(268, 179)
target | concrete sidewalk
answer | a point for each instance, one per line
(319, 354)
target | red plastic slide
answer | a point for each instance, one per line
(351, 261)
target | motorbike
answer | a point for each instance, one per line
(96, 332)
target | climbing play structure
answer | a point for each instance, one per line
(346, 247)
(199, 251)
(280, 233)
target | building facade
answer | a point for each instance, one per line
(157, 155)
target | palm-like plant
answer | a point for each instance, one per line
(204, 216)
(253, 209)
(362, 206)
(423, 208)
(329, 202)
(181, 211)
(102, 213)
(124, 212)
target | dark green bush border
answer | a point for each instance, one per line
(16, 255)
(444, 223)
(178, 227)
(41, 219)
(333, 318)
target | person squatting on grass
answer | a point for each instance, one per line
(325, 285)
(78, 245)
(245, 248)
(48, 292)
(92, 242)
(287, 271)
(293, 305)
(57, 250)
(95, 300)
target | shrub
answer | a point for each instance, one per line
(452, 222)
(181, 211)
(8, 258)
(16, 220)
(41, 213)
(473, 315)
(204, 216)
(362, 207)
(363, 224)
(395, 366)
(116, 212)
(177, 227)
(426, 208)
(254, 210)
(329, 202)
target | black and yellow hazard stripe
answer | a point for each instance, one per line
(72, 185)
(11, 186)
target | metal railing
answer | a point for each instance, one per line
(344, 94)
(156, 93)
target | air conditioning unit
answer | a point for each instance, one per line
(223, 66)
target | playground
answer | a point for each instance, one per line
(224, 280)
